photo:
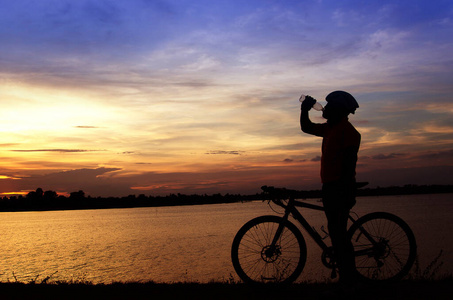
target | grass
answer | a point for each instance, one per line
(406, 289)
(432, 270)
(427, 283)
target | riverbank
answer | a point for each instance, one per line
(423, 289)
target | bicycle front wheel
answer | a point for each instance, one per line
(256, 260)
(384, 246)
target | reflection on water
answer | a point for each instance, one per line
(190, 243)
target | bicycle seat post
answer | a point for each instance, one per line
(289, 207)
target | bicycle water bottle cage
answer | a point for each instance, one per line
(325, 232)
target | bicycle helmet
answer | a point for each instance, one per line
(344, 99)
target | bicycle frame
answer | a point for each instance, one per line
(291, 209)
(384, 245)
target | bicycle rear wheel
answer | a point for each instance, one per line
(384, 246)
(256, 261)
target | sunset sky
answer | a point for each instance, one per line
(156, 97)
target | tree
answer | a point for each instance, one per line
(77, 195)
(50, 195)
(38, 194)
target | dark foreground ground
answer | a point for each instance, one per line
(438, 289)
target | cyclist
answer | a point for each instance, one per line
(340, 146)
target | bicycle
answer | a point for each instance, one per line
(271, 249)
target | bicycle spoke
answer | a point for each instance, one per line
(384, 246)
(255, 257)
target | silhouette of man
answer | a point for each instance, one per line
(340, 146)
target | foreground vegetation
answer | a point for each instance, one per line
(429, 282)
(409, 289)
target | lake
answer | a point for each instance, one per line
(185, 243)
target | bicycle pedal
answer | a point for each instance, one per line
(333, 275)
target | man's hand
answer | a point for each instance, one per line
(308, 103)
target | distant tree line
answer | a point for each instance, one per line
(409, 189)
(40, 200)
(49, 200)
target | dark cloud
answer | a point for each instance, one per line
(88, 180)
(57, 150)
(194, 83)
(80, 173)
(446, 154)
(86, 127)
(361, 122)
(232, 152)
(317, 158)
(387, 156)
(290, 160)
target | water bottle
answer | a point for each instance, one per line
(317, 106)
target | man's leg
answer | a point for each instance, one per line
(337, 224)
(345, 250)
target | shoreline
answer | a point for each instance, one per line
(50, 201)
(406, 289)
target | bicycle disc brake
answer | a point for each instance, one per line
(270, 254)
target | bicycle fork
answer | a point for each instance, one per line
(273, 246)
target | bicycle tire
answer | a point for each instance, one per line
(394, 251)
(250, 251)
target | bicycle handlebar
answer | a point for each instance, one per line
(284, 193)
(278, 194)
